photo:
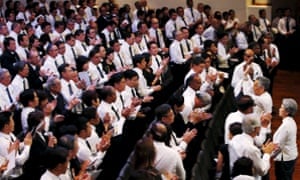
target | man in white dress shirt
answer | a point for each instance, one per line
(57, 162)
(155, 33)
(166, 159)
(8, 95)
(287, 24)
(245, 73)
(50, 65)
(254, 27)
(69, 88)
(12, 149)
(85, 151)
(97, 74)
(71, 51)
(264, 23)
(23, 48)
(261, 162)
(128, 49)
(108, 33)
(191, 14)
(108, 111)
(20, 81)
(80, 46)
(171, 25)
(181, 19)
(119, 56)
(143, 89)
(198, 39)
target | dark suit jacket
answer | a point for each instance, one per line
(34, 78)
(7, 60)
(60, 106)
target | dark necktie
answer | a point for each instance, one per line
(181, 49)
(70, 89)
(200, 40)
(145, 38)
(192, 13)
(130, 51)
(188, 45)
(100, 72)
(9, 95)
(73, 52)
(122, 101)
(175, 26)
(24, 84)
(184, 21)
(157, 62)
(287, 24)
(84, 47)
(88, 144)
(121, 60)
(254, 31)
(265, 21)
(64, 59)
(157, 38)
(133, 93)
(55, 62)
(115, 111)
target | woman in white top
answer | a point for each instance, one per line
(286, 138)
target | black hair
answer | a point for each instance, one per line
(26, 96)
(4, 118)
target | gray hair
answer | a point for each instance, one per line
(2, 73)
(264, 82)
(51, 82)
(204, 97)
(290, 106)
(250, 122)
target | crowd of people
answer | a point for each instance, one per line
(109, 93)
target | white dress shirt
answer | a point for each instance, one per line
(286, 137)
(125, 51)
(143, 88)
(4, 98)
(50, 67)
(168, 160)
(24, 117)
(117, 122)
(210, 33)
(170, 28)
(282, 25)
(158, 37)
(233, 117)
(197, 42)
(49, 176)
(19, 84)
(82, 48)
(272, 53)
(176, 54)
(96, 77)
(256, 32)
(156, 63)
(14, 158)
(191, 14)
(241, 40)
(261, 164)
(70, 56)
(65, 90)
(84, 153)
(223, 56)
(238, 73)
(108, 36)
(21, 51)
(264, 24)
(119, 60)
